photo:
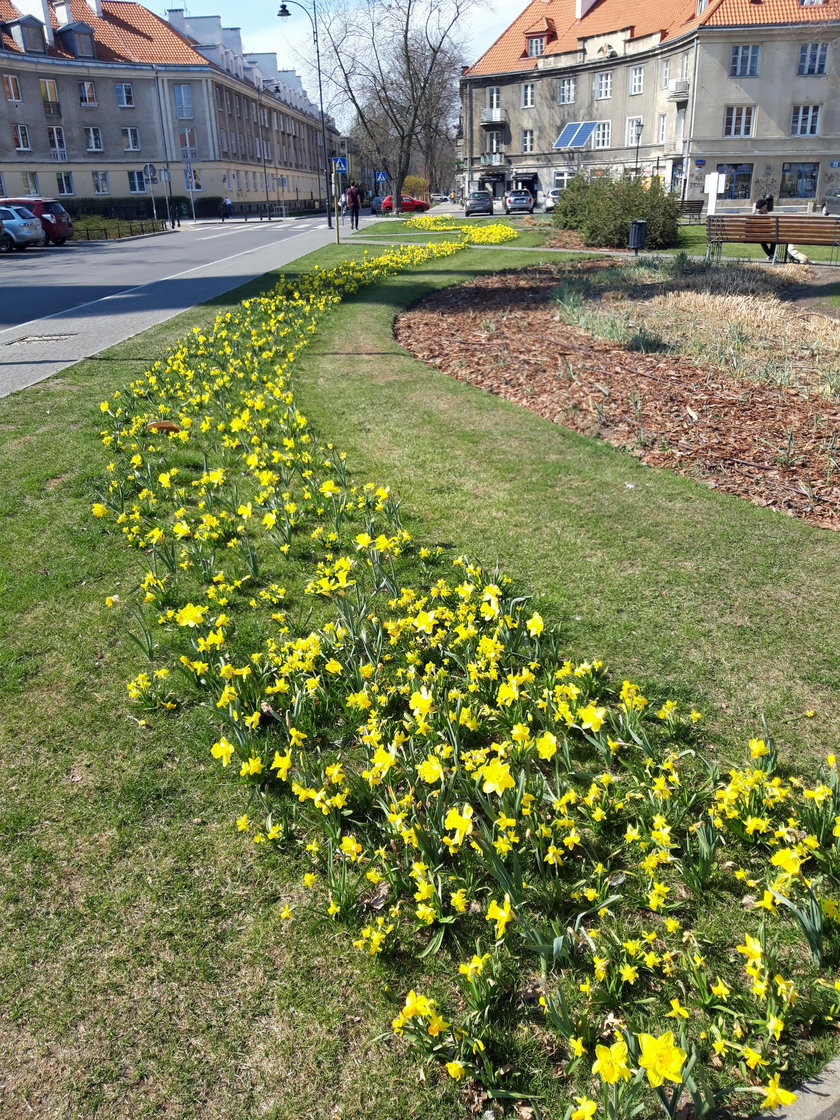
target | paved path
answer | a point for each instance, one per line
(63, 304)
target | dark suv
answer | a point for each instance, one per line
(54, 219)
(478, 202)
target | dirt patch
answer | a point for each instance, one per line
(774, 446)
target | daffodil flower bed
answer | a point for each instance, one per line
(493, 234)
(453, 781)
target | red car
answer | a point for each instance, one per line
(408, 203)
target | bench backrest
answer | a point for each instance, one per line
(805, 229)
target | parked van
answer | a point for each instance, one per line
(831, 201)
(54, 219)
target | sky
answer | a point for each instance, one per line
(291, 39)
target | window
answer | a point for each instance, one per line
(20, 137)
(603, 85)
(812, 59)
(125, 95)
(744, 62)
(635, 127)
(494, 141)
(566, 91)
(87, 93)
(664, 72)
(527, 95)
(238, 104)
(58, 146)
(805, 120)
(737, 181)
(527, 140)
(223, 139)
(84, 45)
(101, 182)
(130, 139)
(183, 102)
(187, 143)
(93, 137)
(661, 126)
(637, 80)
(228, 101)
(30, 182)
(738, 120)
(192, 180)
(11, 88)
(799, 180)
(684, 66)
(49, 97)
(562, 179)
(233, 144)
(64, 182)
(601, 135)
(136, 182)
(220, 104)
(33, 39)
(536, 46)
(494, 97)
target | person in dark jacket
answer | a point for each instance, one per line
(354, 202)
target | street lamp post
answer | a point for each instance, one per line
(271, 87)
(639, 130)
(284, 13)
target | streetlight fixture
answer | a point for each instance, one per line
(272, 88)
(312, 16)
(639, 129)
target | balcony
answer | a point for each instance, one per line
(59, 155)
(492, 159)
(493, 116)
(678, 89)
(189, 153)
(52, 108)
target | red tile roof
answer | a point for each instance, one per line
(668, 18)
(126, 32)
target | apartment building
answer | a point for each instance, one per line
(673, 89)
(95, 91)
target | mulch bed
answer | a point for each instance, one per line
(502, 333)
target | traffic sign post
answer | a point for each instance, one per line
(150, 177)
(381, 177)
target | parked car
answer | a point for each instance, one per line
(20, 228)
(519, 202)
(376, 204)
(478, 202)
(408, 204)
(437, 197)
(54, 219)
(551, 199)
(831, 201)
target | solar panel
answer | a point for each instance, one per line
(565, 137)
(582, 134)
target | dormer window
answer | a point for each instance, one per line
(77, 39)
(536, 46)
(28, 34)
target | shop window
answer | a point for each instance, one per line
(799, 180)
(738, 179)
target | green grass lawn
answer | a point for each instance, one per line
(144, 968)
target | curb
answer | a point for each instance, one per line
(817, 1099)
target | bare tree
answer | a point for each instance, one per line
(391, 62)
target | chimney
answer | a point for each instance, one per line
(62, 12)
(96, 7)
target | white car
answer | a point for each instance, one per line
(550, 199)
(435, 197)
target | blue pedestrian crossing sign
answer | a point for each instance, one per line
(381, 177)
(340, 163)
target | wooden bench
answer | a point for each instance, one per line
(778, 230)
(691, 208)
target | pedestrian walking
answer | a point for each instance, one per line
(227, 208)
(354, 203)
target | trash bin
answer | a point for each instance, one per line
(638, 234)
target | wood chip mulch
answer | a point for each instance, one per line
(770, 445)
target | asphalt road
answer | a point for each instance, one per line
(61, 304)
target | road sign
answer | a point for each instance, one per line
(381, 177)
(340, 163)
(149, 171)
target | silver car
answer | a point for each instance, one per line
(20, 229)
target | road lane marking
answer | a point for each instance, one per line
(150, 283)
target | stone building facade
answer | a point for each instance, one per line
(672, 89)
